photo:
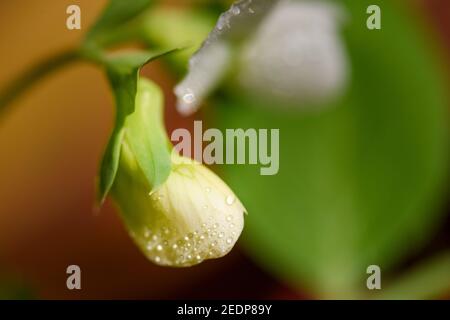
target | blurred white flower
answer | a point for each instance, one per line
(296, 54)
(292, 50)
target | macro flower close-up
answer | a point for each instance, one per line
(200, 150)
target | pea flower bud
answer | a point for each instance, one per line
(192, 215)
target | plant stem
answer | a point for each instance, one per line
(430, 280)
(27, 79)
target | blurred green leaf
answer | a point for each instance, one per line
(123, 71)
(182, 27)
(115, 15)
(429, 280)
(360, 182)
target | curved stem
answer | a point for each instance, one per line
(27, 79)
(429, 280)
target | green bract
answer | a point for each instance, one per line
(146, 134)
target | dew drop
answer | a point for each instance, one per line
(229, 240)
(230, 200)
(157, 259)
(221, 22)
(229, 218)
(159, 247)
(189, 98)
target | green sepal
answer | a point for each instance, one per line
(123, 74)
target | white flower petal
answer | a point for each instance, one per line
(208, 66)
(192, 217)
(297, 53)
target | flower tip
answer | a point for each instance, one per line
(192, 217)
(187, 102)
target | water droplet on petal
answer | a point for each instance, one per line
(189, 98)
(230, 200)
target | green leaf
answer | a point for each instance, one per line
(115, 15)
(359, 183)
(123, 71)
(146, 134)
(429, 280)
